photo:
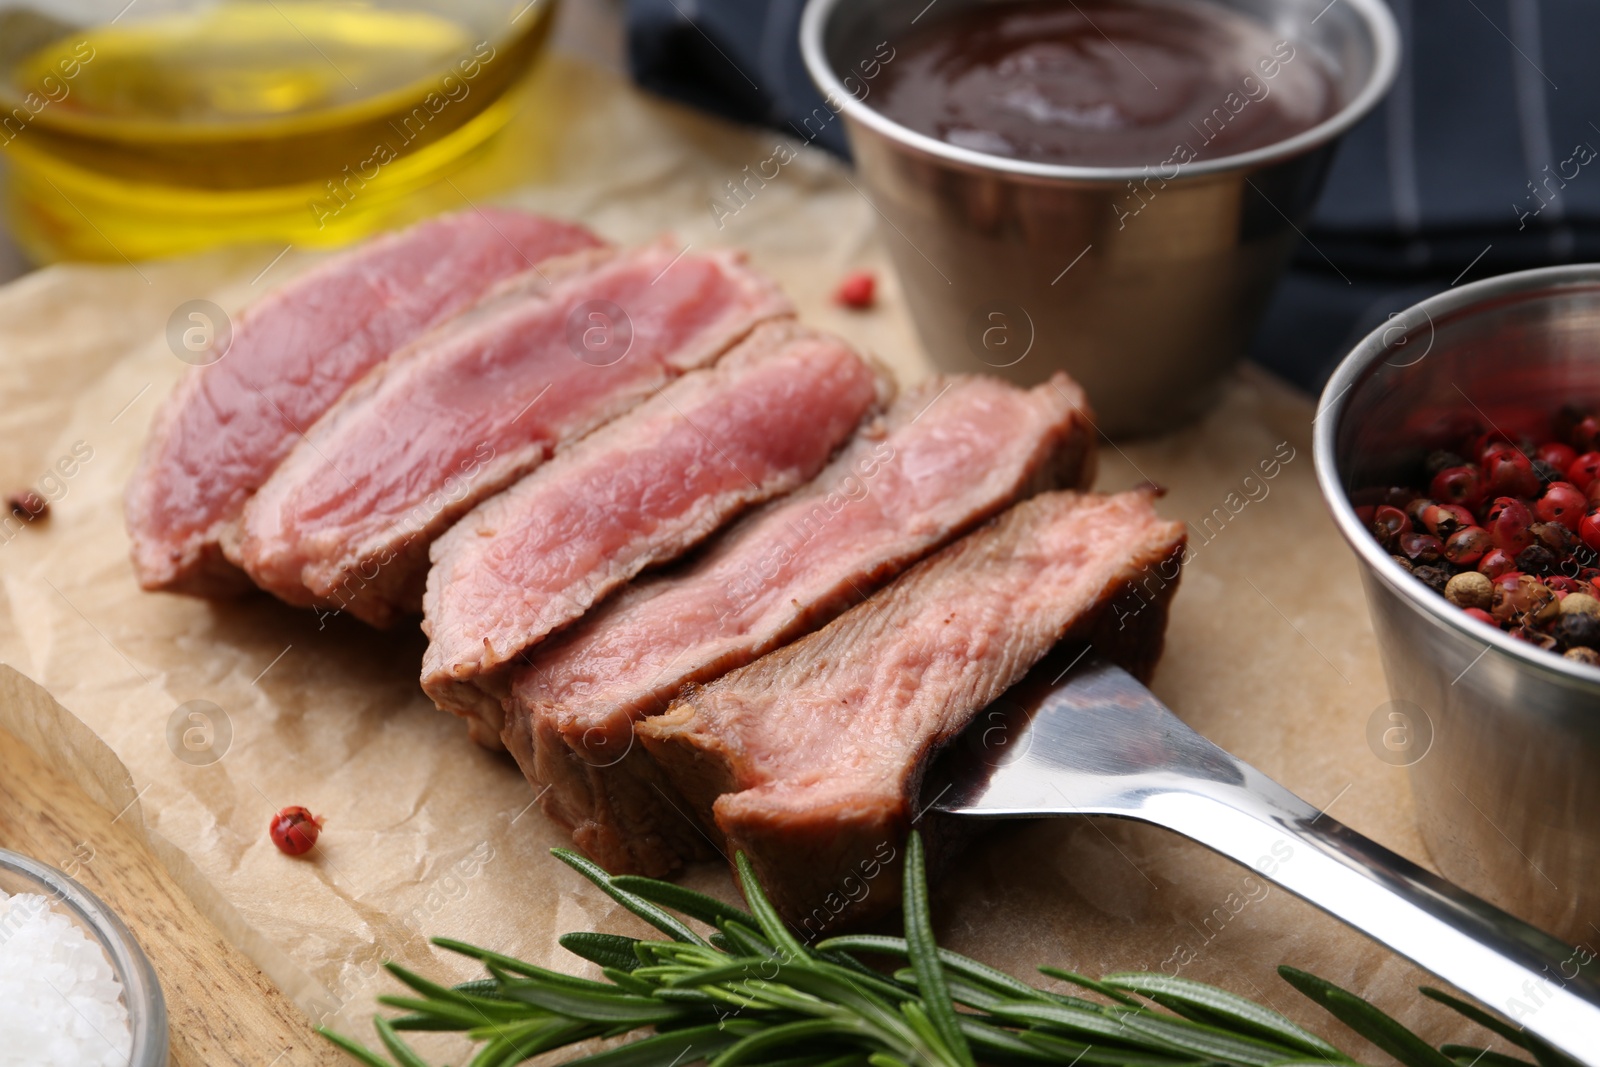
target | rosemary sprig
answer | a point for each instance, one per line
(752, 993)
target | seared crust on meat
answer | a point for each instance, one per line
(950, 454)
(810, 759)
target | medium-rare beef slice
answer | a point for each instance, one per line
(227, 425)
(949, 455)
(640, 491)
(346, 520)
(810, 760)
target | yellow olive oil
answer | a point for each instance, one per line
(298, 121)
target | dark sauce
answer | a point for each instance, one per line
(1104, 82)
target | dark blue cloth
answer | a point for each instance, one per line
(1482, 160)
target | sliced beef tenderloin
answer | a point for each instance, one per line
(810, 759)
(345, 522)
(640, 491)
(227, 425)
(949, 455)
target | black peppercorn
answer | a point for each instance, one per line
(1435, 578)
(1441, 459)
(1554, 536)
(1536, 559)
(1547, 474)
(1577, 630)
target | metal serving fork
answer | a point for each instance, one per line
(1096, 742)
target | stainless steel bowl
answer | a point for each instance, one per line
(1507, 792)
(1022, 268)
(141, 992)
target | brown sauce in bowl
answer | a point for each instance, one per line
(1104, 83)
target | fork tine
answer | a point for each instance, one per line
(1074, 741)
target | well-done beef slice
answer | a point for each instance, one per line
(226, 426)
(950, 454)
(810, 759)
(640, 491)
(345, 522)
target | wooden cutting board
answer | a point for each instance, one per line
(221, 1007)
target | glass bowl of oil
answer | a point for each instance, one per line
(142, 128)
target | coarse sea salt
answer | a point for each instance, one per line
(60, 1003)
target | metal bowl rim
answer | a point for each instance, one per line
(147, 1014)
(1375, 15)
(1331, 409)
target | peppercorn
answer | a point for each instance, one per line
(1495, 562)
(1580, 604)
(1522, 598)
(1536, 559)
(1507, 529)
(1562, 502)
(1543, 605)
(1556, 454)
(1554, 536)
(1462, 485)
(856, 290)
(1586, 435)
(28, 505)
(1388, 523)
(1547, 473)
(1398, 496)
(1468, 545)
(1577, 630)
(1439, 459)
(1491, 445)
(1588, 527)
(1510, 473)
(294, 830)
(1583, 471)
(1469, 589)
(1442, 520)
(1435, 578)
(1534, 637)
(1424, 548)
(1509, 521)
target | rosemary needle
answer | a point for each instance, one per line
(752, 993)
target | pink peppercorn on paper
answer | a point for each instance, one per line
(219, 714)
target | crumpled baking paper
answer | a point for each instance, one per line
(216, 715)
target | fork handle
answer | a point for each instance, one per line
(1522, 972)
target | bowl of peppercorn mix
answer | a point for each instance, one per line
(1458, 448)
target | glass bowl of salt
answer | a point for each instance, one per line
(75, 988)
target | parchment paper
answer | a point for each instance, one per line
(1269, 652)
